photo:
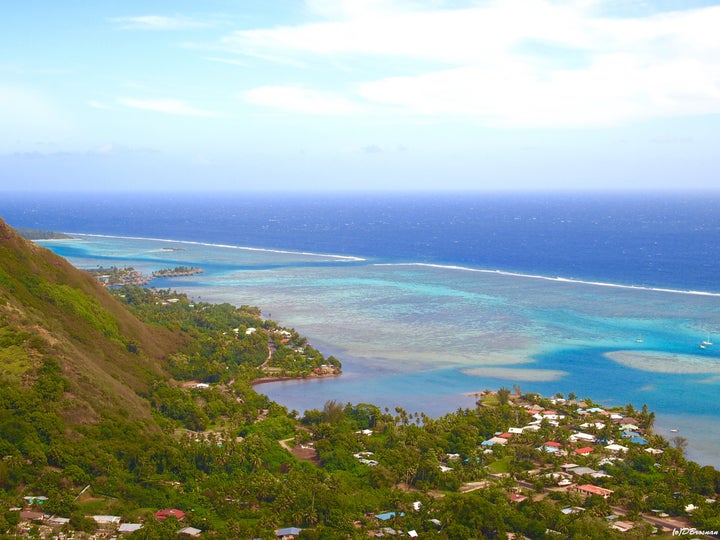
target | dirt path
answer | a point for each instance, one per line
(302, 452)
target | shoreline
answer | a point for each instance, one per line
(395, 370)
(264, 380)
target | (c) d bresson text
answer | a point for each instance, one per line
(689, 530)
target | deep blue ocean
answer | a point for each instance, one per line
(426, 298)
(657, 240)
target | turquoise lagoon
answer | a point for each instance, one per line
(424, 337)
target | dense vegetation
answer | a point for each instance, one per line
(33, 234)
(104, 414)
(117, 277)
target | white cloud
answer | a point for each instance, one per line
(451, 36)
(167, 106)
(301, 100)
(158, 22)
(522, 63)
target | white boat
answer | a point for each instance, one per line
(707, 341)
(639, 339)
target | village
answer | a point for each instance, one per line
(576, 463)
(118, 277)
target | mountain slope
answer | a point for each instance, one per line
(54, 314)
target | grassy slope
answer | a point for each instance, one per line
(48, 309)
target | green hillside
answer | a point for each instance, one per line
(57, 319)
(127, 402)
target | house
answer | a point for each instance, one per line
(572, 510)
(516, 497)
(29, 515)
(596, 425)
(494, 440)
(107, 520)
(534, 409)
(189, 531)
(288, 533)
(57, 521)
(579, 471)
(584, 451)
(580, 436)
(589, 489)
(616, 448)
(557, 475)
(622, 526)
(128, 528)
(162, 515)
(551, 446)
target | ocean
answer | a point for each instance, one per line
(427, 298)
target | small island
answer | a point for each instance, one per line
(119, 277)
(177, 271)
(34, 234)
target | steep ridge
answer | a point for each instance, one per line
(55, 317)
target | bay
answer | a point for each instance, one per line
(427, 298)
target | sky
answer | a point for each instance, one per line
(257, 95)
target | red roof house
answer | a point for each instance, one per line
(162, 515)
(553, 444)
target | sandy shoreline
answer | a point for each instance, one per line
(263, 380)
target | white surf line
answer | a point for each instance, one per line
(226, 246)
(557, 279)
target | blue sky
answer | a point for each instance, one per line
(364, 94)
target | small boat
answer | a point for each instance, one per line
(707, 341)
(639, 339)
(673, 431)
